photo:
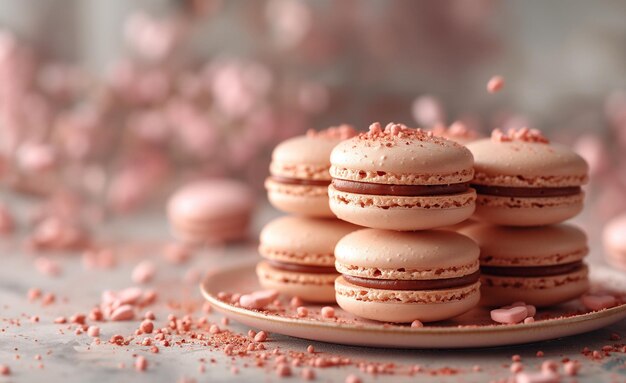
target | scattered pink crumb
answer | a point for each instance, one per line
(261, 336)
(571, 368)
(123, 313)
(353, 379)
(283, 370)
(149, 315)
(214, 329)
(510, 315)
(328, 312)
(144, 272)
(307, 374)
(93, 331)
(540, 354)
(47, 299)
(598, 302)
(477, 368)
(33, 294)
(234, 370)
(296, 302)
(516, 367)
(417, 324)
(176, 253)
(47, 266)
(310, 349)
(516, 358)
(251, 333)
(529, 320)
(302, 311)
(146, 326)
(495, 84)
(60, 320)
(549, 366)
(5, 370)
(141, 364)
(258, 299)
(34, 319)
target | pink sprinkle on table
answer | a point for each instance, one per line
(283, 370)
(141, 364)
(509, 315)
(5, 370)
(146, 326)
(144, 272)
(123, 313)
(571, 368)
(328, 312)
(537, 378)
(93, 331)
(495, 84)
(261, 336)
(302, 311)
(307, 374)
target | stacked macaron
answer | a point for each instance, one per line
(394, 181)
(298, 249)
(526, 186)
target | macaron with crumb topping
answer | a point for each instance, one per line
(399, 178)
(399, 277)
(299, 178)
(524, 180)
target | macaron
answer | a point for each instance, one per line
(399, 277)
(299, 178)
(614, 240)
(399, 178)
(524, 180)
(541, 266)
(299, 257)
(210, 211)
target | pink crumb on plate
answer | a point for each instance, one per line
(328, 312)
(123, 313)
(598, 302)
(258, 299)
(261, 336)
(93, 331)
(141, 363)
(509, 315)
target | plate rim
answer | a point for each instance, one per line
(404, 330)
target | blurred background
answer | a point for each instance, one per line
(113, 103)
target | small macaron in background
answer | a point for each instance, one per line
(211, 211)
(404, 179)
(299, 257)
(523, 180)
(299, 178)
(614, 241)
(542, 266)
(400, 277)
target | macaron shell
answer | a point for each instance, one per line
(424, 255)
(511, 211)
(309, 287)
(305, 200)
(398, 160)
(402, 213)
(556, 164)
(533, 246)
(405, 306)
(540, 292)
(305, 149)
(303, 240)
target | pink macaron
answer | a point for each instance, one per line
(299, 177)
(210, 211)
(614, 240)
(541, 266)
(299, 257)
(404, 179)
(523, 180)
(400, 277)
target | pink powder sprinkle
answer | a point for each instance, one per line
(144, 272)
(416, 324)
(283, 370)
(509, 315)
(328, 312)
(353, 379)
(47, 266)
(307, 374)
(141, 364)
(33, 294)
(93, 331)
(302, 311)
(261, 336)
(571, 368)
(495, 84)
(549, 366)
(516, 367)
(123, 313)
(146, 326)
(598, 302)
(310, 349)
(5, 370)
(296, 302)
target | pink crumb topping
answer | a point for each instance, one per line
(417, 324)
(341, 132)
(393, 131)
(495, 84)
(523, 134)
(296, 302)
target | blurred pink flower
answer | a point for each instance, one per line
(290, 21)
(36, 157)
(153, 39)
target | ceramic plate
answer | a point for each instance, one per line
(473, 329)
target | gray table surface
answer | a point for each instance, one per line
(69, 358)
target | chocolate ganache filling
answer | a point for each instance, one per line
(401, 284)
(398, 190)
(299, 181)
(524, 192)
(532, 271)
(298, 268)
